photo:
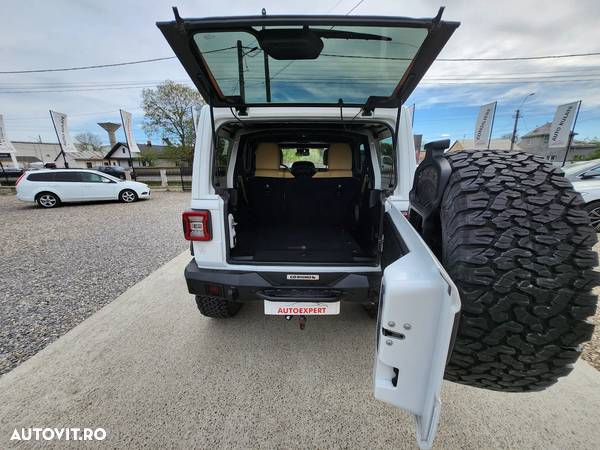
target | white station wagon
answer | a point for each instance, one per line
(50, 188)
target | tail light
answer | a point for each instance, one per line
(196, 225)
(19, 179)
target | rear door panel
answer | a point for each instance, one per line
(418, 308)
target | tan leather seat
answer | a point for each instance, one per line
(268, 160)
(339, 156)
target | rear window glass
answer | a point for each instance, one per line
(355, 63)
(89, 177)
(387, 166)
(66, 176)
(47, 176)
(221, 162)
(314, 155)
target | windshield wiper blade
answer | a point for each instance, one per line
(338, 34)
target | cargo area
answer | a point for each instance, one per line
(318, 209)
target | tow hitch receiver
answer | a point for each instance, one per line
(301, 321)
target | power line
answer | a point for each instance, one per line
(354, 7)
(96, 66)
(519, 58)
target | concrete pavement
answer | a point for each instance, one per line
(151, 371)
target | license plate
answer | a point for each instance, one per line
(301, 308)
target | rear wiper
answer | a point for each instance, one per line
(337, 34)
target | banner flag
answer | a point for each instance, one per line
(195, 119)
(62, 132)
(411, 111)
(562, 125)
(5, 145)
(127, 120)
(483, 126)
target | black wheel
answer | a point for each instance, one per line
(517, 242)
(593, 210)
(128, 196)
(47, 200)
(217, 307)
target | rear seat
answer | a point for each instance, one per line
(278, 198)
(266, 190)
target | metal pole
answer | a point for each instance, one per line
(181, 176)
(514, 133)
(240, 55)
(492, 126)
(4, 172)
(571, 135)
(62, 152)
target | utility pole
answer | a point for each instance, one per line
(517, 117)
(514, 133)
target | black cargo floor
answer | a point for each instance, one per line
(298, 244)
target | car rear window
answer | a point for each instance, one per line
(45, 176)
(67, 176)
(362, 62)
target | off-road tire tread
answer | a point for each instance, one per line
(517, 242)
(217, 307)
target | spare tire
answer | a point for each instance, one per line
(517, 242)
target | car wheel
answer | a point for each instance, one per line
(47, 200)
(217, 307)
(128, 196)
(593, 210)
(517, 242)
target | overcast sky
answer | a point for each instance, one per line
(58, 33)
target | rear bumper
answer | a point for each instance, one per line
(250, 286)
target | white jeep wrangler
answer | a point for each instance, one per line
(306, 195)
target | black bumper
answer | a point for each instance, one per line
(249, 286)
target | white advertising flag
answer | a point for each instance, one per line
(62, 132)
(127, 120)
(411, 111)
(195, 119)
(561, 127)
(5, 145)
(483, 126)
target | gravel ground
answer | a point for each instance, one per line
(60, 266)
(591, 350)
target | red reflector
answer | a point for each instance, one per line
(214, 290)
(196, 225)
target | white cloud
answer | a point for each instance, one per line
(64, 33)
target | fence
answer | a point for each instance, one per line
(169, 176)
(9, 177)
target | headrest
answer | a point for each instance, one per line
(303, 169)
(267, 156)
(339, 157)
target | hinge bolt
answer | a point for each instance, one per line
(388, 342)
(407, 326)
(391, 323)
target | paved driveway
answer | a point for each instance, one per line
(153, 372)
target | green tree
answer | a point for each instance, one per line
(148, 156)
(168, 113)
